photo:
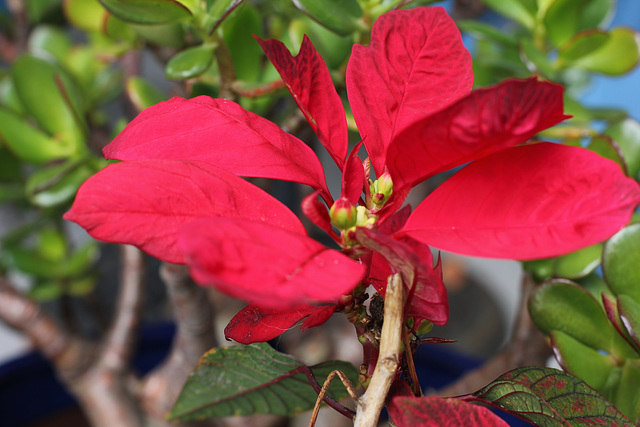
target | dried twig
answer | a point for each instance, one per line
(347, 383)
(372, 402)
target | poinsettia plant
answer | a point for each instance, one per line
(178, 194)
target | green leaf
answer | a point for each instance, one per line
(618, 56)
(189, 63)
(246, 54)
(340, 16)
(142, 93)
(82, 260)
(87, 15)
(562, 20)
(148, 12)
(549, 397)
(168, 35)
(629, 310)
(596, 14)
(54, 101)
(255, 379)
(626, 133)
(482, 31)
(57, 184)
(535, 59)
(609, 149)
(581, 360)
(627, 398)
(620, 260)
(564, 306)
(579, 263)
(80, 287)
(51, 41)
(52, 245)
(30, 144)
(219, 11)
(46, 291)
(521, 11)
(583, 44)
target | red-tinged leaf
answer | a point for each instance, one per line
(353, 176)
(406, 411)
(528, 202)
(426, 296)
(266, 265)
(307, 78)
(318, 213)
(396, 221)
(256, 324)
(486, 121)
(549, 397)
(399, 79)
(145, 202)
(320, 315)
(221, 133)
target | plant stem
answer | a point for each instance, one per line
(372, 402)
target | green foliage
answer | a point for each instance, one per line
(254, 379)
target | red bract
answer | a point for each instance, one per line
(410, 93)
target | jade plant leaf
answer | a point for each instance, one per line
(189, 63)
(562, 305)
(87, 15)
(628, 392)
(522, 11)
(618, 56)
(626, 133)
(148, 12)
(340, 16)
(549, 397)
(142, 93)
(582, 44)
(579, 263)
(609, 149)
(432, 411)
(620, 261)
(629, 310)
(255, 379)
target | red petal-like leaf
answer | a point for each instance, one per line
(486, 121)
(398, 80)
(438, 412)
(353, 177)
(256, 324)
(426, 296)
(320, 315)
(145, 202)
(266, 265)
(318, 213)
(528, 202)
(221, 133)
(307, 78)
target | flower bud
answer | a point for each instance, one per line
(343, 214)
(385, 185)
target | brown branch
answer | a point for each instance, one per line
(119, 342)
(528, 347)
(227, 71)
(194, 336)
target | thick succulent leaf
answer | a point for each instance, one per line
(609, 149)
(399, 80)
(548, 397)
(221, 133)
(255, 324)
(620, 260)
(579, 263)
(149, 12)
(618, 56)
(628, 394)
(340, 16)
(626, 134)
(486, 121)
(521, 11)
(587, 363)
(565, 306)
(432, 411)
(189, 63)
(630, 316)
(307, 78)
(582, 44)
(145, 202)
(527, 202)
(264, 264)
(426, 296)
(255, 379)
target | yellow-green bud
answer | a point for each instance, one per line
(384, 185)
(343, 214)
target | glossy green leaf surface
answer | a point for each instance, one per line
(548, 397)
(480, 30)
(618, 56)
(629, 310)
(148, 12)
(30, 144)
(607, 148)
(246, 54)
(579, 263)
(596, 13)
(562, 19)
(522, 11)
(566, 307)
(340, 16)
(255, 379)
(626, 133)
(51, 41)
(581, 360)
(54, 102)
(582, 45)
(142, 93)
(620, 261)
(189, 63)
(87, 15)
(627, 397)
